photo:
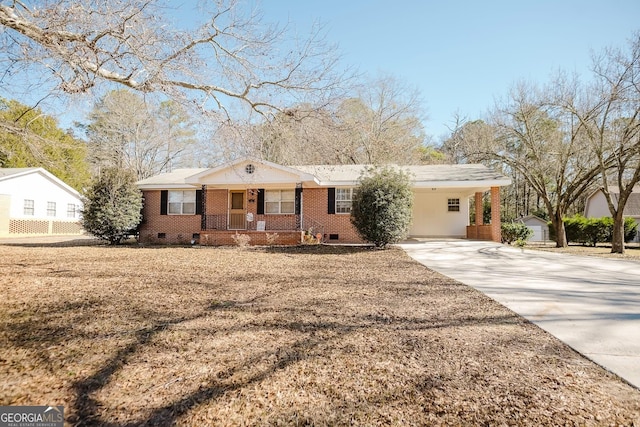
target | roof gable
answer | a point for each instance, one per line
(8, 174)
(632, 208)
(249, 172)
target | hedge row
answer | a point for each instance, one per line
(594, 230)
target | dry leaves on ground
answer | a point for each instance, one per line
(280, 336)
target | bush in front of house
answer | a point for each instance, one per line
(515, 232)
(591, 231)
(112, 205)
(382, 205)
(630, 229)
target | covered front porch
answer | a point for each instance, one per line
(230, 228)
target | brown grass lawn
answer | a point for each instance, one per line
(128, 336)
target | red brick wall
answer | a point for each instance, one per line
(181, 228)
(217, 201)
(177, 228)
(496, 232)
(314, 203)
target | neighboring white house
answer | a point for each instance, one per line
(35, 202)
(539, 227)
(596, 206)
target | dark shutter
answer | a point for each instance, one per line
(164, 201)
(331, 201)
(198, 202)
(260, 201)
(298, 201)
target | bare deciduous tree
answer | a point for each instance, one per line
(609, 112)
(381, 123)
(538, 141)
(230, 56)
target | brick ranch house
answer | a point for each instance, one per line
(259, 199)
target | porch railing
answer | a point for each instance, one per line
(260, 222)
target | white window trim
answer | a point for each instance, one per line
(453, 202)
(71, 210)
(32, 207)
(51, 207)
(350, 200)
(181, 202)
(279, 202)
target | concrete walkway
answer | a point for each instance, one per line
(592, 304)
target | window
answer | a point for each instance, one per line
(28, 207)
(280, 201)
(182, 202)
(71, 210)
(344, 196)
(453, 205)
(51, 208)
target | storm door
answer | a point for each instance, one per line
(237, 210)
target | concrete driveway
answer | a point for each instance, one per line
(592, 304)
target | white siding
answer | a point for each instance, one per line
(431, 217)
(40, 189)
(597, 206)
(262, 176)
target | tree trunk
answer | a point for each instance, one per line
(561, 235)
(617, 240)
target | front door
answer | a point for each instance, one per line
(237, 210)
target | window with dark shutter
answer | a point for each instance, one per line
(298, 201)
(164, 201)
(260, 210)
(198, 202)
(331, 201)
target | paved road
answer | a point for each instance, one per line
(592, 304)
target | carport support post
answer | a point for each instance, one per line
(479, 213)
(496, 233)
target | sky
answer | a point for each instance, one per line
(463, 55)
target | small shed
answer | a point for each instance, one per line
(538, 225)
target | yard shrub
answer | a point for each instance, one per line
(515, 232)
(598, 230)
(594, 230)
(112, 205)
(630, 229)
(575, 228)
(381, 207)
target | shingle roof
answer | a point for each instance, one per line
(632, 208)
(467, 175)
(177, 176)
(6, 172)
(419, 173)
